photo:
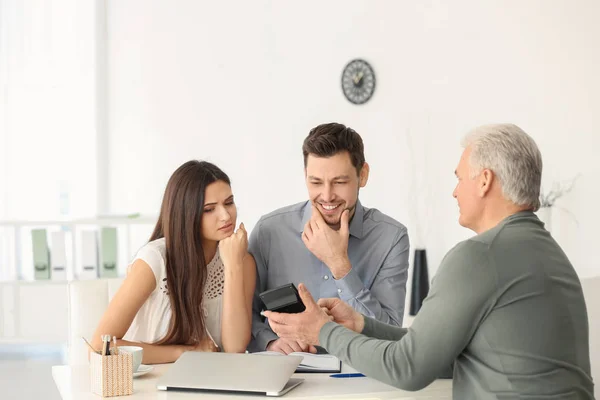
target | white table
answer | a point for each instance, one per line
(73, 383)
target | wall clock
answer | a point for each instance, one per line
(358, 81)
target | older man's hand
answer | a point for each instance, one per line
(304, 326)
(343, 314)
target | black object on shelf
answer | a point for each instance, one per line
(420, 281)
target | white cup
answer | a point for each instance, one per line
(136, 354)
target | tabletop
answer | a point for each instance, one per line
(73, 382)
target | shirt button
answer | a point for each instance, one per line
(339, 290)
(326, 277)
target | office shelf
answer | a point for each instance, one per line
(16, 259)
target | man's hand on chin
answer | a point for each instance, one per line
(327, 244)
(303, 327)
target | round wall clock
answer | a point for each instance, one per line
(358, 81)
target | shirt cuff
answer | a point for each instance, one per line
(262, 340)
(328, 328)
(349, 286)
(370, 326)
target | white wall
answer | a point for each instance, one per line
(47, 109)
(241, 84)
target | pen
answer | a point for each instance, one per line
(105, 345)
(357, 375)
(103, 348)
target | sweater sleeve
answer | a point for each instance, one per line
(411, 359)
(380, 330)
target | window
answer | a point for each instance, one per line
(48, 113)
(48, 109)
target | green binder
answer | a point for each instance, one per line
(108, 266)
(41, 254)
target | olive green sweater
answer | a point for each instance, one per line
(505, 306)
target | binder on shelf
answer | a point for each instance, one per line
(89, 255)
(108, 241)
(58, 256)
(41, 254)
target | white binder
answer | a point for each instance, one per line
(58, 256)
(89, 255)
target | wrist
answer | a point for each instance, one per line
(235, 265)
(359, 323)
(270, 344)
(340, 267)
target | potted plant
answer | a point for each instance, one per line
(549, 198)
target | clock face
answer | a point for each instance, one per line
(358, 81)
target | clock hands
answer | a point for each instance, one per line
(357, 78)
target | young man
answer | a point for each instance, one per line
(331, 242)
(506, 306)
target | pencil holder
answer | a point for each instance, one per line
(111, 375)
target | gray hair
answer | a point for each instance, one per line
(514, 158)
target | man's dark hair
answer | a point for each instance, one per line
(327, 140)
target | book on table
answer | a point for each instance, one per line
(312, 362)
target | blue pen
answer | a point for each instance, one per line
(358, 375)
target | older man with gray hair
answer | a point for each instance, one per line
(506, 306)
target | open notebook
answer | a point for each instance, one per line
(312, 362)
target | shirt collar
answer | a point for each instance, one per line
(356, 223)
(518, 215)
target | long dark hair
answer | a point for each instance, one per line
(180, 223)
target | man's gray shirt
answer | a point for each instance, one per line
(378, 249)
(505, 306)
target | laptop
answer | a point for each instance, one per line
(230, 372)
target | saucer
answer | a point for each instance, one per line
(142, 370)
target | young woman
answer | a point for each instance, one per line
(190, 288)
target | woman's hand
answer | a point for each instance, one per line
(234, 248)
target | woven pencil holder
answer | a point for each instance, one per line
(111, 375)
